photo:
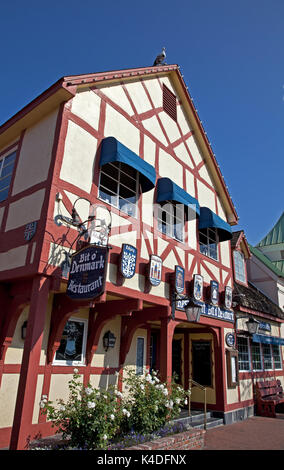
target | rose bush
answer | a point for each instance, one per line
(91, 418)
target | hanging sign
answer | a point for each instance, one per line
(87, 273)
(197, 287)
(179, 279)
(228, 297)
(128, 260)
(214, 292)
(155, 270)
(30, 230)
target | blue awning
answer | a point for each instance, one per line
(167, 190)
(268, 339)
(114, 151)
(208, 219)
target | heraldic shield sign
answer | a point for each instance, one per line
(88, 272)
(179, 279)
(128, 259)
(155, 273)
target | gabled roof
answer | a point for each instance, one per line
(266, 261)
(239, 241)
(276, 234)
(65, 89)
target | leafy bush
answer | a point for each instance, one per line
(151, 403)
(89, 418)
(92, 417)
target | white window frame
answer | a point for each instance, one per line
(170, 210)
(280, 356)
(270, 350)
(248, 353)
(115, 197)
(261, 356)
(63, 362)
(3, 168)
(239, 265)
(204, 248)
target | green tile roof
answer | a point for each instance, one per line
(272, 266)
(276, 234)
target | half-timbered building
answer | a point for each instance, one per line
(127, 145)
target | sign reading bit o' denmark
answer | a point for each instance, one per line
(87, 273)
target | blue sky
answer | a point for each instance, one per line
(230, 53)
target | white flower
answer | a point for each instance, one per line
(91, 404)
(178, 401)
(165, 391)
(105, 396)
(148, 378)
(185, 401)
(105, 437)
(44, 396)
(126, 412)
(156, 379)
(62, 408)
(112, 417)
(76, 371)
(142, 387)
(88, 391)
(118, 394)
(41, 404)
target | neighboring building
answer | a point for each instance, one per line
(266, 266)
(131, 141)
(259, 354)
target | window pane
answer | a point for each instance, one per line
(109, 184)
(10, 159)
(4, 194)
(208, 239)
(71, 345)
(256, 356)
(244, 362)
(276, 356)
(267, 358)
(140, 356)
(239, 263)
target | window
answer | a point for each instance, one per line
(208, 242)
(171, 220)
(169, 103)
(244, 359)
(119, 185)
(139, 356)
(239, 262)
(232, 368)
(267, 356)
(73, 343)
(256, 356)
(276, 356)
(6, 169)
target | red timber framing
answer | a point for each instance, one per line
(31, 284)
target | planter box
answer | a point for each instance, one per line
(193, 439)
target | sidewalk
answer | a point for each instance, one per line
(254, 433)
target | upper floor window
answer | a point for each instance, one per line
(208, 241)
(171, 220)
(239, 263)
(6, 169)
(119, 186)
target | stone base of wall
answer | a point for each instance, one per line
(236, 415)
(193, 439)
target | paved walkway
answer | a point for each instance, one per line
(255, 433)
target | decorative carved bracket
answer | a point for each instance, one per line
(105, 313)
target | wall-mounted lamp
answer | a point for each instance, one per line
(252, 324)
(108, 340)
(24, 330)
(192, 307)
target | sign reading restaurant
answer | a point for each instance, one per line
(212, 311)
(87, 273)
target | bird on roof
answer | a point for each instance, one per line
(160, 58)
